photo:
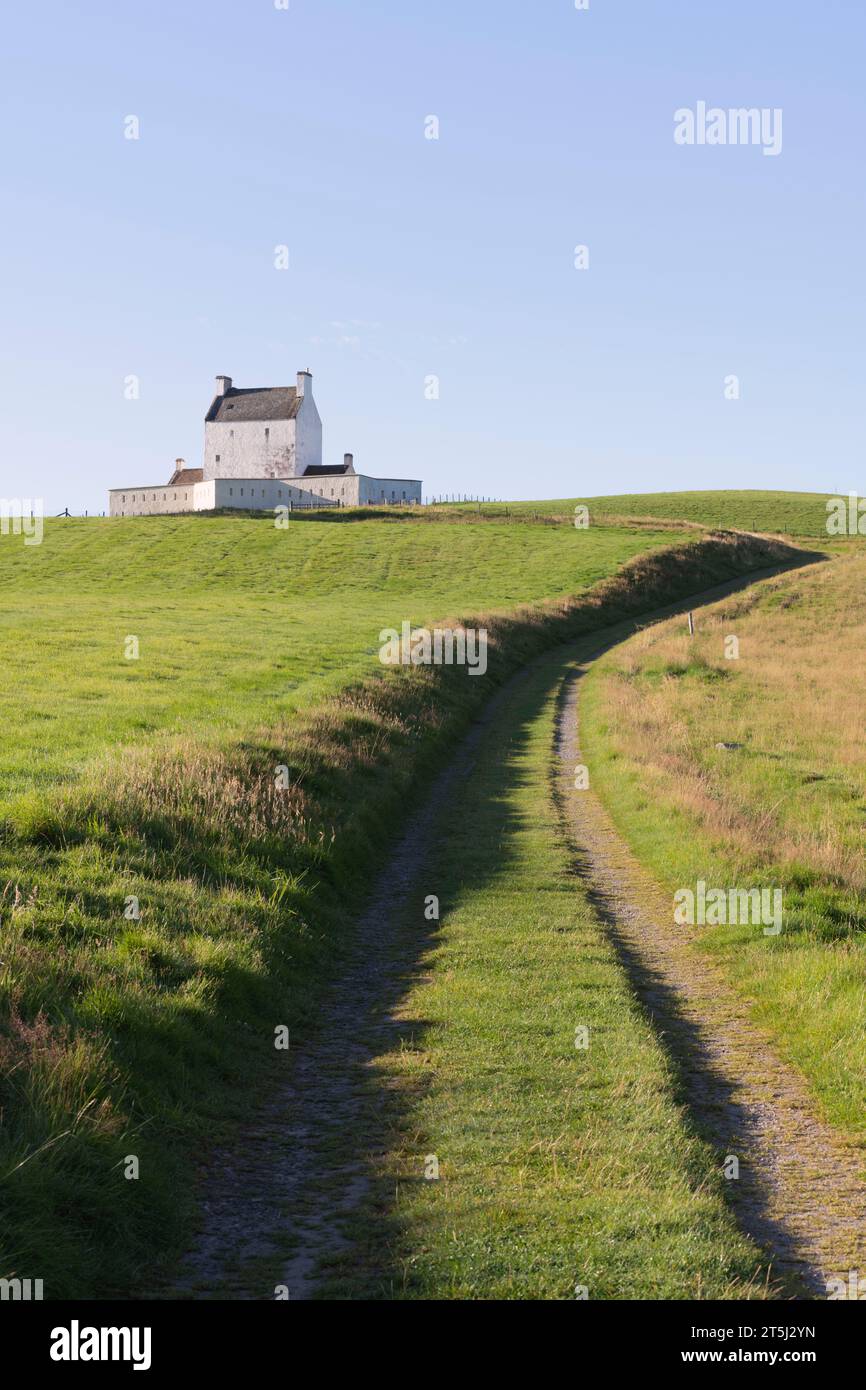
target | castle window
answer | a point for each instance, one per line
(231, 492)
(242, 492)
(217, 458)
(267, 434)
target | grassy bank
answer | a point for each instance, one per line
(144, 1037)
(532, 1078)
(781, 805)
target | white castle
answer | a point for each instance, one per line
(263, 449)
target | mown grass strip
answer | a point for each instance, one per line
(533, 1085)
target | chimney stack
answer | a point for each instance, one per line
(305, 382)
(349, 461)
(224, 385)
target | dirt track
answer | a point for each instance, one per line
(801, 1192)
(275, 1206)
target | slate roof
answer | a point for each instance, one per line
(325, 470)
(255, 403)
(182, 476)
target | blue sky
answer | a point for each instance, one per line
(452, 257)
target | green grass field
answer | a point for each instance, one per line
(237, 621)
(154, 780)
(777, 513)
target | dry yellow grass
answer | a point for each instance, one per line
(794, 699)
(782, 802)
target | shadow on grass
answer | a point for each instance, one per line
(373, 1256)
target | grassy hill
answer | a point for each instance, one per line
(238, 621)
(164, 904)
(776, 513)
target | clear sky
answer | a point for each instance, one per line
(411, 257)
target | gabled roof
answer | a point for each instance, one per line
(255, 403)
(181, 476)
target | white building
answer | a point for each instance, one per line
(263, 449)
(268, 432)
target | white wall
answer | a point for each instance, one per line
(249, 449)
(337, 488)
(264, 448)
(385, 491)
(359, 490)
(262, 494)
(308, 435)
(242, 494)
(154, 501)
(203, 496)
